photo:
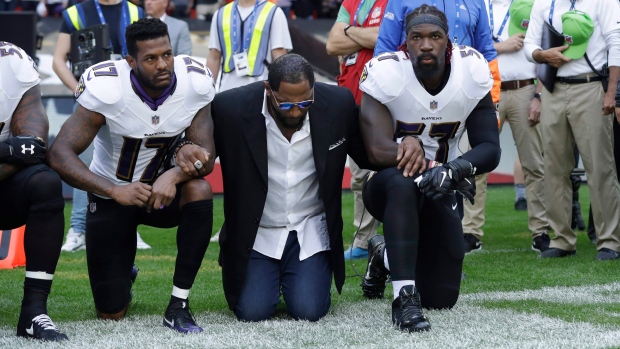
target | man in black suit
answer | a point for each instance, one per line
(283, 145)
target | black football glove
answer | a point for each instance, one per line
(467, 187)
(461, 168)
(23, 150)
(436, 182)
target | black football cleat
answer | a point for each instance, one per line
(407, 312)
(179, 318)
(39, 327)
(373, 282)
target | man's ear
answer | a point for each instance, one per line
(267, 88)
(131, 61)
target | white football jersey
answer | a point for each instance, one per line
(131, 146)
(18, 74)
(438, 120)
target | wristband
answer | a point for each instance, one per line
(179, 146)
(346, 28)
(538, 96)
(417, 138)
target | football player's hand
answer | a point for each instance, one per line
(467, 187)
(23, 150)
(436, 182)
(411, 157)
(163, 192)
(461, 168)
(136, 193)
(188, 157)
(534, 116)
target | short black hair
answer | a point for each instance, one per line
(430, 11)
(290, 68)
(142, 30)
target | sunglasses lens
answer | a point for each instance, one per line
(305, 104)
(286, 106)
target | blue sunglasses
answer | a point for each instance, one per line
(289, 105)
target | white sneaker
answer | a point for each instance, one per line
(216, 237)
(141, 244)
(74, 242)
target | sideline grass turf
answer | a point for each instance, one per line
(510, 299)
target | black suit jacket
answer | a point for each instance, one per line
(241, 144)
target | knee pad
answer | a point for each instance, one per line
(439, 298)
(44, 188)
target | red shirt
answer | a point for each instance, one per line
(350, 75)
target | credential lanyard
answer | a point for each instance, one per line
(501, 28)
(572, 7)
(457, 22)
(248, 35)
(358, 11)
(124, 23)
(457, 19)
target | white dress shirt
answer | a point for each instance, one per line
(293, 197)
(512, 65)
(606, 17)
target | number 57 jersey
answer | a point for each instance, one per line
(131, 146)
(438, 120)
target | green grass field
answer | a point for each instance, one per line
(510, 299)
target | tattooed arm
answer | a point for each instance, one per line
(74, 137)
(28, 118)
(200, 132)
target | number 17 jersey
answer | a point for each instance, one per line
(131, 146)
(438, 120)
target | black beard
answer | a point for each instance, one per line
(426, 71)
(146, 83)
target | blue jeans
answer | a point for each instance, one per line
(305, 285)
(78, 212)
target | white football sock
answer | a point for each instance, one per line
(41, 275)
(180, 293)
(386, 264)
(397, 285)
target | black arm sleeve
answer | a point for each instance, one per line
(483, 135)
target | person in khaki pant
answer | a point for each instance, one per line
(353, 37)
(578, 111)
(520, 105)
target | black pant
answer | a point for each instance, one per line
(33, 196)
(111, 244)
(423, 237)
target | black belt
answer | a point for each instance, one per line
(575, 80)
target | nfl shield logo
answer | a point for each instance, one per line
(92, 207)
(155, 119)
(525, 23)
(569, 39)
(376, 13)
(433, 105)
